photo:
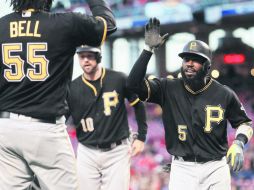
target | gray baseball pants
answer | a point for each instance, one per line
(212, 175)
(104, 170)
(29, 147)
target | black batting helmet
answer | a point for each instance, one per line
(197, 47)
(85, 48)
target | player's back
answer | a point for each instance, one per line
(36, 56)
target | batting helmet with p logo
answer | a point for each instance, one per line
(197, 47)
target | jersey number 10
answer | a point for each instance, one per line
(87, 124)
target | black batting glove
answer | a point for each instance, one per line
(235, 156)
(166, 168)
(152, 34)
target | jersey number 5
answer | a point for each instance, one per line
(182, 130)
(38, 63)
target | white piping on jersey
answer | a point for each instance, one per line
(92, 86)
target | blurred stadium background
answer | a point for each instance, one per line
(227, 26)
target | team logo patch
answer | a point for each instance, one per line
(214, 114)
(110, 100)
(193, 46)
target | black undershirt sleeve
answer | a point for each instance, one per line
(102, 9)
(140, 115)
(135, 80)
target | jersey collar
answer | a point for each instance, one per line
(199, 91)
(91, 85)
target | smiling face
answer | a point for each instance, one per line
(88, 63)
(194, 71)
(192, 65)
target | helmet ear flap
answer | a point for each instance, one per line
(98, 57)
(206, 66)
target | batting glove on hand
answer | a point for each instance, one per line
(152, 34)
(235, 155)
(167, 167)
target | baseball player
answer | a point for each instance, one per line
(97, 105)
(196, 109)
(37, 49)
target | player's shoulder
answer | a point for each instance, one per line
(115, 74)
(165, 80)
(76, 81)
(173, 80)
(75, 16)
(222, 87)
(8, 16)
(63, 15)
(219, 85)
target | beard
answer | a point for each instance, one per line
(196, 82)
(90, 70)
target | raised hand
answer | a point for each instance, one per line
(152, 34)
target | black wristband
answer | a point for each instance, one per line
(141, 137)
(242, 138)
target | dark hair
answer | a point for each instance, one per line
(19, 5)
